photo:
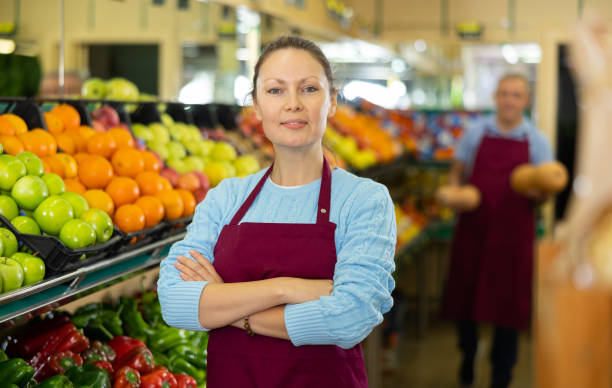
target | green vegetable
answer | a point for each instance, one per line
(59, 381)
(15, 371)
(89, 376)
(166, 339)
(3, 356)
(181, 366)
(195, 357)
(135, 325)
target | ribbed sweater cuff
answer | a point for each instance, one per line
(305, 325)
(180, 311)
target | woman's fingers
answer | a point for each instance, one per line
(193, 270)
(206, 264)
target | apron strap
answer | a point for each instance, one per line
(324, 196)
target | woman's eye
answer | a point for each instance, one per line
(310, 89)
(274, 91)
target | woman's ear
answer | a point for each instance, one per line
(334, 103)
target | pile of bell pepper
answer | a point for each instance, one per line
(103, 346)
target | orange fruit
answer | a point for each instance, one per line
(149, 183)
(173, 204)
(130, 218)
(151, 161)
(39, 141)
(6, 126)
(46, 166)
(95, 172)
(123, 190)
(68, 114)
(128, 162)
(101, 143)
(80, 136)
(66, 143)
(189, 202)
(74, 186)
(71, 167)
(19, 124)
(123, 138)
(99, 199)
(153, 209)
(166, 185)
(11, 144)
(55, 164)
(54, 124)
(189, 182)
(81, 156)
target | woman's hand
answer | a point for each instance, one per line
(306, 290)
(199, 269)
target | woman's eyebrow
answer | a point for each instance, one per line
(282, 81)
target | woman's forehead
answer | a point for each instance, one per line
(291, 64)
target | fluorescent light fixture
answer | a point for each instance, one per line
(7, 46)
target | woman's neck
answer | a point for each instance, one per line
(296, 168)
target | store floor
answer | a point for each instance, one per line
(432, 362)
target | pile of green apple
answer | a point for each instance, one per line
(17, 269)
(348, 149)
(183, 148)
(37, 203)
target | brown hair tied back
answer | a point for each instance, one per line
(294, 42)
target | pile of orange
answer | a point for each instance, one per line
(104, 167)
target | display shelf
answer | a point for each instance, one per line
(52, 293)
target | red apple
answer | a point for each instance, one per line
(171, 175)
(107, 116)
(200, 194)
(139, 146)
(204, 181)
(98, 126)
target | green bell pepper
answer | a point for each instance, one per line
(3, 356)
(160, 359)
(195, 357)
(15, 371)
(168, 338)
(58, 381)
(134, 323)
(179, 365)
(89, 376)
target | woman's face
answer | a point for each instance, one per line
(293, 99)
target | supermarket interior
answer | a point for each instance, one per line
(467, 198)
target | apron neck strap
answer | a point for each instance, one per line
(324, 196)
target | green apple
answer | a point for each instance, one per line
(166, 119)
(121, 89)
(77, 234)
(160, 133)
(55, 183)
(193, 134)
(346, 147)
(11, 273)
(33, 164)
(142, 132)
(223, 152)
(33, 267)
(230, 170)
(176, 150)
(77, 201)
(159, 148)
(11, 169)
(177, 164)
(246, 165)
(8, 207)
(101, 222)
(26, 225)
(194, 163)
(30, 191)
(9, 241)
(176, 131)
(363, 159)
(52, 214)
(94, 88)
(215, 172)
(201, 148)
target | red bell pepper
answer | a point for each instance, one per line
(107, 366)
(26, 344)
(59, 363)
(160, 377)
(123, 344)
(185, 381)
(75, 342)
(39, 360)
(97, 351)
(139, 358)
(127, 377)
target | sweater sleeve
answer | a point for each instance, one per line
(362, 279)
(180, 299)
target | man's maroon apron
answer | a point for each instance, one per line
(490, 276)
(255, 251)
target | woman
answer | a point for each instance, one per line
(289, 268)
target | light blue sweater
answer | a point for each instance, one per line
(365, 244)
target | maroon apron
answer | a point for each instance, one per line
(255, 251)
(490, 276)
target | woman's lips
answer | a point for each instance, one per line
(294, 124)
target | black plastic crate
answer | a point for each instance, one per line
(140, 238)
(59, 258)
(176, 226)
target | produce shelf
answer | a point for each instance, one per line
(63, 289)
